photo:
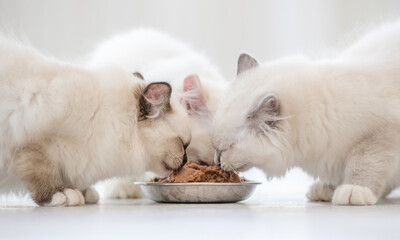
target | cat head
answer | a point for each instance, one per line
(163, 128)
(200, 100)
(250, 125)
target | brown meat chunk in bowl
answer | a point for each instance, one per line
(193, 172)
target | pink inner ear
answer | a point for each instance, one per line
(193, 99)
(157, 91)
(191, 82)
(157, 97)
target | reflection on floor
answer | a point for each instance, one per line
(266, 215)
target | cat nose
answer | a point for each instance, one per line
(217, 157)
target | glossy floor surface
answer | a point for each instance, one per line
(260, 217)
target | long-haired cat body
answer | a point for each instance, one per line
(338, 119)
(197, 85)
(63, 128)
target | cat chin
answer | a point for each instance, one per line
(161, 169)
(275, 172)
(162, 172)
(243, 168)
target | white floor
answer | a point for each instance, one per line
(277, 210)
(260, 217)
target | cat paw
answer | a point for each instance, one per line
(122, 189)
(320, 192)
(348, 194)
(91, 195)
(74, 197)
(58, 200)
(68, 197)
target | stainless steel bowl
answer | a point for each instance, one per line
(198, 192)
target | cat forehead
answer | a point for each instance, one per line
(234, 108)
(178, 114)
(243, 94)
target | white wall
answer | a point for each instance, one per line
(222, 28)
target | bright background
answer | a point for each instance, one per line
(67, 29)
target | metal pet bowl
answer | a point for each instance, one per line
(199, 192)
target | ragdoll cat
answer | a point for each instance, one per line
(63, 128)
(197, 84)
(338, 119)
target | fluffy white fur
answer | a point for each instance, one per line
(159, 57)
(338, 119)
(64, 127)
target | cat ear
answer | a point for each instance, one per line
(155, 100)
(246, 62)
(193, 97)
(267, 110)
(138, 75)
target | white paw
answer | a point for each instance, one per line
(320, 192)
(349, 194)
(58, 199)
(68, 197)
(91, 196)
(122, 189)
(74, 197)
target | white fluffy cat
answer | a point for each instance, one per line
(63, 128)
(196, 83)
(338, 119)
(194, 79)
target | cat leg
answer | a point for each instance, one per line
(122, 188)
(91, 195)
(44, 179)
(368, 167)
(387, 191)
(320, 191)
